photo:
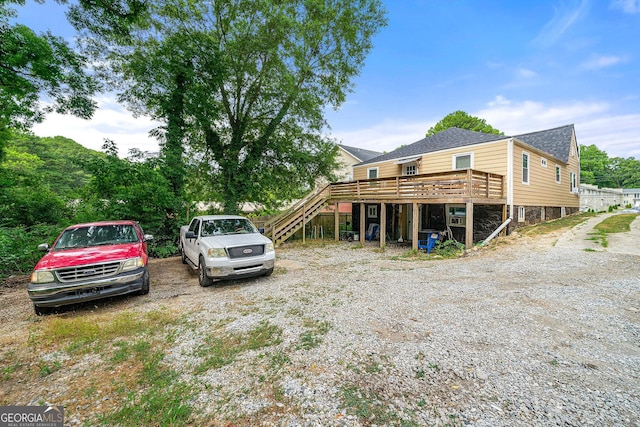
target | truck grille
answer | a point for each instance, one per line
(85, 272)
(246, 251)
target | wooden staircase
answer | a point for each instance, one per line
(293, 219)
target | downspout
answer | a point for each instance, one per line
(495, 233)
(510, 177)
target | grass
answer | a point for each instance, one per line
(83, 335)
(620, 223)
(222, 350)
(314, 334)
(370, 407)
(556, 224)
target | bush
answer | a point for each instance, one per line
(19, 247)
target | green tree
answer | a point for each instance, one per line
(242, 86)
(131, 188)
(462, 120)
(33, 66)
(595, 166)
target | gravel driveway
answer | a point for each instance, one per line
(527, 331)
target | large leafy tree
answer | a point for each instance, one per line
(462, 120)
(35, 67)
(596, 167)
(242, 86)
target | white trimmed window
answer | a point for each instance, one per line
(543, 162)
(521, 213)
(410, 169)
(525, 168)
(372, 173)
(372, 211)
(573, 182)
(462, 161)
(558, 174)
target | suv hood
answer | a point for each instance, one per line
(90, 255)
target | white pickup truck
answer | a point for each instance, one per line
(225, 247)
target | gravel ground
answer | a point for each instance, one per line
(529, 331)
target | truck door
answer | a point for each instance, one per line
(191, 249)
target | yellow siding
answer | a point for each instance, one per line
(489, 157)
(543, 190)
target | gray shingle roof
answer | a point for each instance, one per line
(556, 142)
(359, 153)
(448, 138)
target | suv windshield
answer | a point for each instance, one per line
(97, 235)
(219, 227)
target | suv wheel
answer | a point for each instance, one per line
(203, 279)
(41, 311)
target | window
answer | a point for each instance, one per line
(557, 174)
(463, 161)
(573, 185)
(525, 168)
(372, 173)
(543, 162)
(372, 211)
(410, 169)
(521, 213)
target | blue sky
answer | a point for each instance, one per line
(522, 66)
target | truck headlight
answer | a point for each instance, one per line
(42, 276)
(216, 253)
(269, 247)
(132, 264)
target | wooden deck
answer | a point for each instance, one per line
(448, 187)
(468, 186)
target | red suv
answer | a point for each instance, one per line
(91, 261)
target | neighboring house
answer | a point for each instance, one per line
(349, 157)
(631, 196)
(459, 181)
(599, 199)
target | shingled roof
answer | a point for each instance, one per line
(448, 138)
(359, 153)
(555, 141)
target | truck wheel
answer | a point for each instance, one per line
(203, 279)
(268, 272)
(41, 311)
(145, 284)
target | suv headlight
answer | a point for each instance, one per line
(269, 247)
(132, 264)
(42, 276)
(216, 253)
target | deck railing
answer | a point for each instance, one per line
(457, 184)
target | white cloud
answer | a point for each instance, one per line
(602, 61)
(110, 121)
(617, 135)
(563, 18)
(526, 74)
(385, 136)
(627, 6)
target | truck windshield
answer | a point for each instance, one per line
(97, 235)
(219, 227)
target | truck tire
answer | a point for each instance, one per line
(203, 279)
(41, 311)
(145, 284)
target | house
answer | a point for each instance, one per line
(599, 199)
(465, 183)
(349, 157)
(631, 197)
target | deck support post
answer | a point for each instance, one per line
(468, 237)
(336, 220)
(362, 224)
(383, 224)
(414, 226)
